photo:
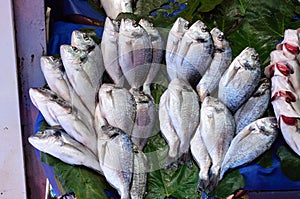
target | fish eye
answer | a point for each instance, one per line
(85, 36)
(204, 28)
(220, 37)
(254, 56)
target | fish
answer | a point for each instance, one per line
(135, 54)
(179, 117)
(222, 58)
(203, 160)
(58, 82)
(55, 76)
(250, 143)
(158, 46)
(65, 115)
(75, 62)
(84, 42)
(290, 44)
(145, 119)
(195, 53)
(59, 144)
(179, 28)
(117, 106)
(109, 48)
(255, 106)
(139, 176)
(294, 77)
(40, 99)
(217, 128)
(114, 7)
(116, 159)
(240, 79)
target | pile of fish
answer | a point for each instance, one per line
(212, 109)
(284, 71)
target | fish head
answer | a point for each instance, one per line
(82, 40)
(111, 25)
(151, 30)
(111, 131)
(72, 55)
(131, 28)
(199, 32)
(180, 26)
(264, 86)
(141, 97)
(51, 62)
(267, 126)
(41, 94)
(249, 59)
(44, 139)
(213, 104)
(218, 38)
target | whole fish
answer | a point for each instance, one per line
(173, 43)
(250, 143)
(65, 115)
(75, 62)
(109, 48)
(117, 106)
(254, 107)
(240, 79)
(55, 76)
(195, 53)
(179, 117)
(135, 54)
(84, 42)
(158, 45)
(217, 129)
(222, 57)
(116, 159)
(139, 176)
(203, 160)
(59, 144)
(145, 119)
(114, 7)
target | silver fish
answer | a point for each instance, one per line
(85, 42)
(222, 57)
(135, 54)
(254, 107)
(250, 143)
(114, 7)
(55, 76)
(217, 129)
(40, 99)
(174, 39)
(65, 115)
(202, 158)
(59, 144)
(157, 53)
(117, 106)
(240, 79)
(109, 48)
(145, 119)
(179, 117)
(195, 53)
(116, 159)
(75, 62)
(139, 177)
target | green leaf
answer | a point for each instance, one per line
(208, 5)
(231, 182)
(265, 160)
(83, 181)
(289, 163)
(162, 183)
